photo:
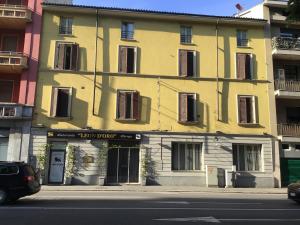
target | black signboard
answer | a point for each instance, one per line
(90, 135)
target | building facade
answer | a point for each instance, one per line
(128, 96)
(285, 59)
(20, 26)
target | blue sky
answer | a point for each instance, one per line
(210, 7)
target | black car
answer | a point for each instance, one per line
(17, 179)
(294, 192)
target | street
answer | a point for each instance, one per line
(163, 208)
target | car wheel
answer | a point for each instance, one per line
(3, 196)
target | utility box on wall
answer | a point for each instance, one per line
(211, 176)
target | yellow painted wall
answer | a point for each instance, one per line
(158, 43)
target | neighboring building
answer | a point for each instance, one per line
(124, 93)
(20, 26)
(284, 47)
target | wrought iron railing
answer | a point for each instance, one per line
(128, 35)
(286, 43)
(287, 85)
(184, 38)
(242, 42)
(65, 30)
(292, 130)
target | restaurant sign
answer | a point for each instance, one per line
(93, 135)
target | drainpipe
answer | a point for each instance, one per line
(218, 85)
(95, 63)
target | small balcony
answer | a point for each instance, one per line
(9, 111)
(276, 3)
(286, 48)
(12, 62)
(287, 89)
(14, 16)
(289, 132)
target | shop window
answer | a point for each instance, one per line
(66, 56)
(186, 156)
(127, 31)
(187, 63)
(187, 107)
(244, 66)
(247, 157)
(61, 102)
(246, 109)
(128, 105)
(66, 25)
(127, 59)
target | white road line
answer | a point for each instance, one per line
(140, 208)
(230, 203)
(262, 220)
(192, 219)
(170, 202)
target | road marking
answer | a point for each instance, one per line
(191, 219)
(230, 203)
(262, 220)
(125, 208)
(172, 202)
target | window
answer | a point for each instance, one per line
(127, 31)
(186, 156)
(61, 102)
(66, 56)
(242, 40)
(187, 107)
(187, 63)
(127, 59)
(6, 91)
(247, 157)
(10, 43)
(293, 115)
(8, 170)
(247, 111)
(65, 25)
(185, 35)
(128, 105)
(244, 66)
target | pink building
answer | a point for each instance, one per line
(20, 27)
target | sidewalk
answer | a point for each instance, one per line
(137, 188)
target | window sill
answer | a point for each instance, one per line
(126, 120)
(188, 171)
(249, 124)
(121, 73)
(246, 47)
(188, 44)
(129, 40)
(64, 70)
(188, 122)
(67, 35)
(60, 118)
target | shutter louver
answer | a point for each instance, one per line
(123, 60)
(59, 56)
(183, 108)
(121, 105)
(135, 107)
(54, 102)
(75, 53)
(242, 110)
(241, 66)
(183, 63)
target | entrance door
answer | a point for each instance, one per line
(57, 166)
(3, 149)
(290, 171)
(123, 165)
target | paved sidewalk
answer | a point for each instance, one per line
(137, 188)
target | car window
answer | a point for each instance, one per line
(8, 170)
(28, 171)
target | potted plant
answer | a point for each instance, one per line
(42, 160)
(146, 169)
(70, 161)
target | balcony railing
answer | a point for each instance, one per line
(292, 130)
(287, 85)
(12, 59)
(127, 35)
(15, 11)
(286, 43)
(185, 38)
(14, 111)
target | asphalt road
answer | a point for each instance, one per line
(132, 208)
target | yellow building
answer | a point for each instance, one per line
(178, 99)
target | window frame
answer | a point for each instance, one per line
(254, 110)
(194, 63)
(13, 88)
(246, 39)
(54, 100)
(185, 28)
(10, 35)
(71, 57)
(195, 95)
(117, 117)
(67, 18)
(251, 66)
(127, 38)
(244, 145)
(185, 160)
(135, 58)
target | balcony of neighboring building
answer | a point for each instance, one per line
(276, 3)
(10, 109)
(12, 59)
(14, 13)
(288, 117)
(285, 47)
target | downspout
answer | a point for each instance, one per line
(218, 85)
(95, 63)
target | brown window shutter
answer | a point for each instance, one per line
(183, 63)
(242, 110)
(54, 102)
(60, 56)
(136, 106)
(183, 114)
(248, 66)
(75, 53)
(241, 66)
(123, 60)
(121, 105)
